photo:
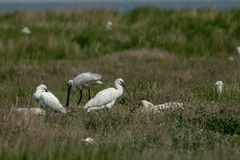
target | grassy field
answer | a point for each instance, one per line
(162, 56)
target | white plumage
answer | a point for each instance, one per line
(26, 30)
(238, 50)
(47, 99)
(109, 25)
(219, 85)
(26, 111)
(149, 107)
(89, 140)
(107, 97)
(81, 81)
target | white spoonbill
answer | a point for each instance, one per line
(81, 81)
(89, 140)
(26, 30)
(149, 107)
(34, 111)
(109, 25)
(219, 85)
(47, 99)
(107, 97)
(238, 50)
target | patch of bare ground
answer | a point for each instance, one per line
(140, 54)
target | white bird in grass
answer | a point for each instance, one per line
(238, 50)
(89, 140)
(26, 30)
(219, 85)
(82, 81)
(34, 111)
(107, 97)
(47, 99)
(149, 107)
(109, 25)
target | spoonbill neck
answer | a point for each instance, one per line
(119, 89)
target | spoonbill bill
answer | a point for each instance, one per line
(107, 97)
(26, 30)
(82, 81)
(149, 107)
(219, 85)
(89, 140)
(47, 99)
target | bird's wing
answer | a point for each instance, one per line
(49, 100)
(102, 98)
(86, 77)
(36, 96)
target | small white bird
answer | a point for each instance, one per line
(82, 81)
(107, 97)
(34, 111)
(26, 30)
(47, 99)
(149, 107)
(219, 85)
(89, 140)
(230, 58)
(109, 25)
(238, 50)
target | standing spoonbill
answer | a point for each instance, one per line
(47, 99)
(81, 81)
(107, 97)
(219, 85)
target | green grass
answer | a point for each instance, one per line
(162, 56)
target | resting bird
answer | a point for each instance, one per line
(82, 81)
(89, 140)
(47, 99)
(26, 111)
(149, 107)
(107, 97)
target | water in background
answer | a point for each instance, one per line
(121, 6)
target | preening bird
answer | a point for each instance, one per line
(219, 85)
(47, 99)
(83, 81)
(107, 97)
(149, 107)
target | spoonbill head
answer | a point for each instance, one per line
(39, 90)
(107, 97)
(82, 81)
(219, 85)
